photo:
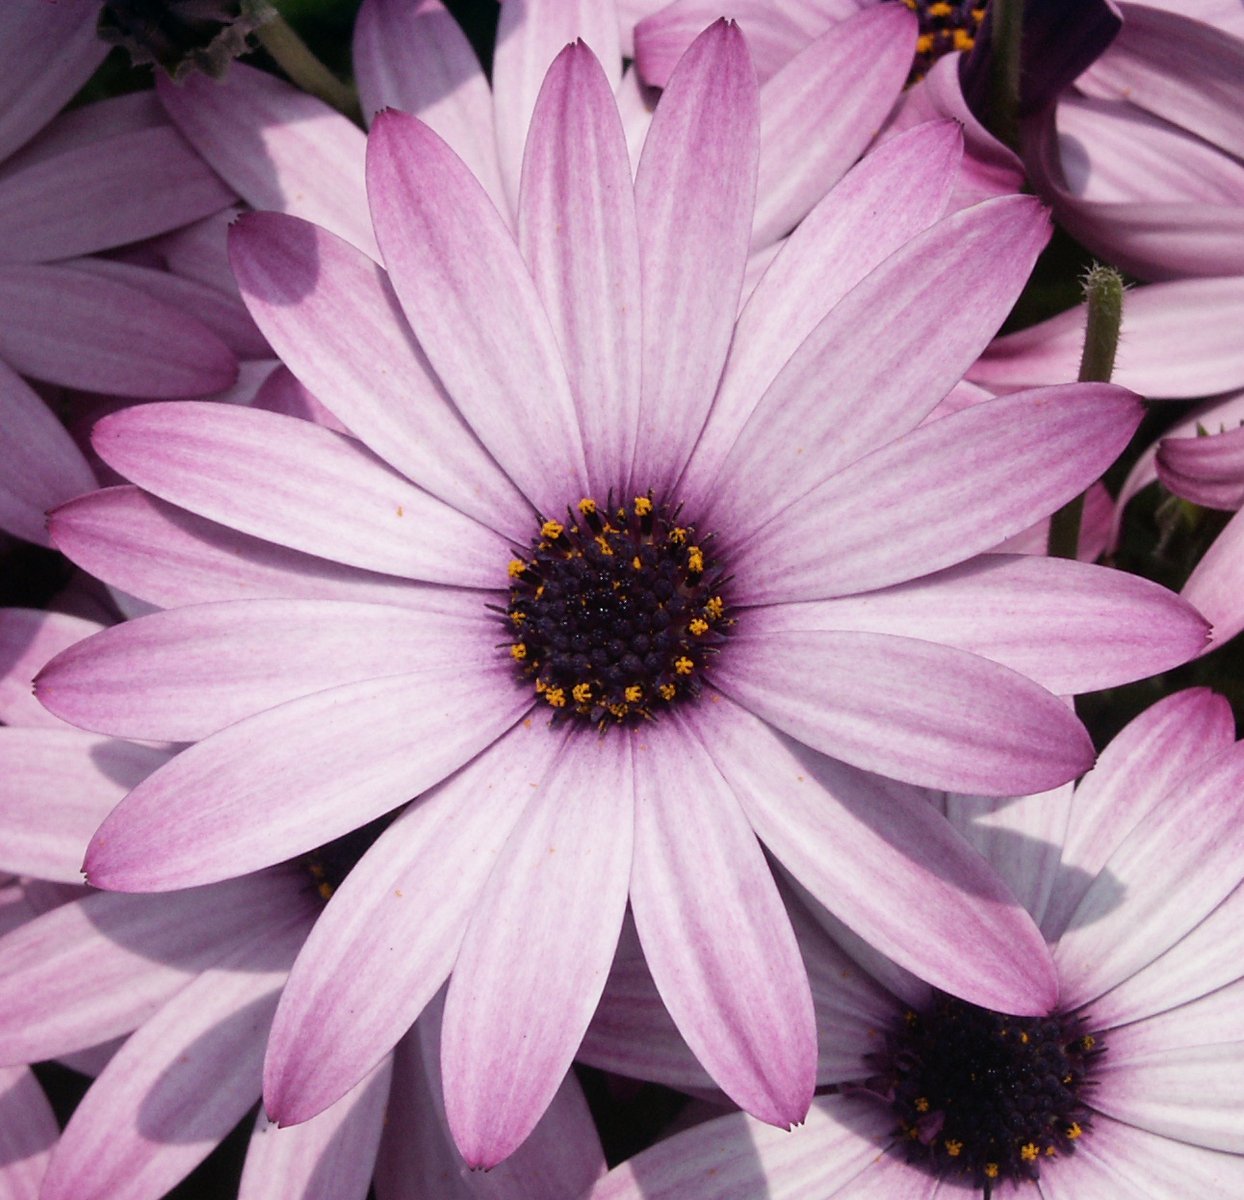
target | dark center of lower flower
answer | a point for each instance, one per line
(945, 25)
(616, 611)
(328, 865)
(982, 1097)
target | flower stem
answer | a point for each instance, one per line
(1103, 291)
(296, 60)
(1008, 27)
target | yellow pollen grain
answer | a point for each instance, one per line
(678, 535)
(516, 567)
(552, 530)
(539, 591)
(605, 547)
(715, 607)
(1050, 1152)
(636, 563)
(978, 15)
(582, 692)
(699, 626)
(1088, 1041)
(518, 651)
(963, 40)
(518, 617)
(540, 686)
(941, 9)
(325, 890)
(1023, 1037)
(556, 697)
(587, 506)
(683, 666)
(634, 694)
(643, 506)
(667, 691)
(991, 1170)
(695, 559)
(1029, 1151)
(954, 1148)
(922, 1104)
(1074, 1130)
(924, 44)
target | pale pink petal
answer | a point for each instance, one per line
(1191, 845)
(478, 316)
(332, 317)
(28, 1132)
(68, 326)
(389, 936)
(1176, 343)
(735, 1157)
(182, 675)
(1205, 470)
(530, 34)
(1213, 1017)
(819, 112)
(56, 787)
(935, 496)
(882, 859)
(170, 557)
(103, 192)
(714, 929)
(47, 52)
(1216, 585)
(694, 195)
(1144, 762)
(913, 710)
(412, 55)
(1096, 525)
(180, 1083)
(1070, 626)
(28, 639)
(296, 776)
(136, 955)
(534, 957)
(307, 488)
(577, 231)
(882, 358)
(330, 1157)
(279, 147)
(900, 189)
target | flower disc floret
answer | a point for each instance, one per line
(616, 611)
(945, 26)
(982, 1097)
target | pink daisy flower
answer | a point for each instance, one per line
(606, 555)
(1131, 1085)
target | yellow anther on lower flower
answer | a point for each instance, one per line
(552, 530)
(922, 1104)
(698, 626)
(582, 692)
(963, 40)
(516, 567)
(556, 697)
(991, 1170)
(695, 559)
(518, 617)
(1029, 1151)
(939, 9)
(643, 506)
(634, 694)
(668, 691)
(683, 666)
(637, 563)
(587, 505)
(715, 607)
(518, 651)
(678, 535)
(1023, 1037)
(1074, 1130)
(954, 1148)
(924, 44)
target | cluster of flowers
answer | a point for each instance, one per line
(549, 598)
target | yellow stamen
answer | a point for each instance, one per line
(1029, 1151)
(924, 44)
(715, 607)
(1087, 1042)
(634, 693)
(698, 626)
(695, 559)
(556, 697)
(636, 563)
(587, 506)
(922, 1104)
(1074, 1130)
(963, 40)
(668, 691)
(954, 1148)
(683, 666)
(582, 692)
(678, 535)
(518, 651)
(552, 530)
(518, 617)
(643, 506)
(516, 567)
(991, 1170)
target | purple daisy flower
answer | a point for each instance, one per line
(1130, 1086)
(607, 557)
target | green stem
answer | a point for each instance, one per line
(1008, 28)
(1103, 292)
(296, 60)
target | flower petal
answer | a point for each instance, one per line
(1216, 585)
(349, 999)
(477, 315)
(279, 147)
(577, 231)
(28, 1132)
(881, 858)
(694, 194)
(714, 930)
(1205, 470)
(28, 639)
(935, 496)
(533, 963)
(290, 482)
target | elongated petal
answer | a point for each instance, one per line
(882, 859)
(900, 189)
(331, 315)
(714, 932)
(180, 1083)
(170, 557)
(1205, 470)
(477, 315)
(577, 231)
(182, 675)
(290, 482)
(530, 35)
(279, 147)
(71, 327)
(1192, 845)
(389, 936)
(883, 357)
(136, 954)
(28, 1132)
(694, 194)
(934, 497)
(1145, 761)
(821, 110)
(330, 1157)
(1070, 626)
(533, 961)
(1216, 584)
(413, 55)
(913, 710)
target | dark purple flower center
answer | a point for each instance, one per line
(945, 26)
(982, 1097)
(616, 611)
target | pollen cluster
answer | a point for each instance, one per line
(945, 26)
(615, 612)
(982, 1097)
